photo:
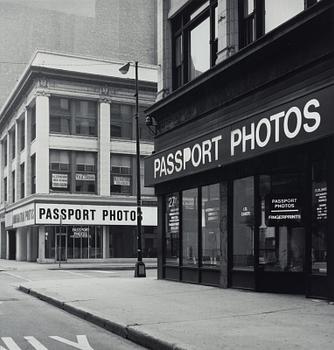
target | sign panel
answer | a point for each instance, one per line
(283, 210)
(320, 200)
(20, 217)
(121, 181)
(304, 119)
(85, 177)
(59, 180)
(67, 214)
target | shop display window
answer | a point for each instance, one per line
(243, 224)
(190, 227)
(281, 232)
(172, 229)
(211, 220)
(319, 218)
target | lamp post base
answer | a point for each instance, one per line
(140, 270)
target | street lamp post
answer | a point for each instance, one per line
(140, 270)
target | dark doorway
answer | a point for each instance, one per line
(12, 244)
(61, 244)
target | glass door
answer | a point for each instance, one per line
(61, 243)
(281, 243)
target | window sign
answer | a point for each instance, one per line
(59, 180)
(121, 181)
(320, 200)
(78, 232)
(283, 210)
(172, 229)
(85, 177)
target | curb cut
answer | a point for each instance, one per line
(124, 331)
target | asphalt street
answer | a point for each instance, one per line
(28, 323)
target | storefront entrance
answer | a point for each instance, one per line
(61, 244)
(269, 233)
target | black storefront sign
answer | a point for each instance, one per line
(298, 121)
(283, 210)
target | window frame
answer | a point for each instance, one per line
(129, 175)
(182, 25)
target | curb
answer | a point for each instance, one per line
(124, 331)
(112, 268)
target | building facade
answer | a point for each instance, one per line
(243, 161)
(68, 188)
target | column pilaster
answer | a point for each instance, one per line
(104, 147)
(42, 142)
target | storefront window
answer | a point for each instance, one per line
(121, 174)
(172, 232)
(243, 223)
(282, 236)
(211, 216)
(319, 219)
(190, 227)
(85, 175)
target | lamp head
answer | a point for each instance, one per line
(124, 69)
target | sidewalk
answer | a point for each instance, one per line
(169, 315)
(112, 264)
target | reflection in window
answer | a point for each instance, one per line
(319, 219)
(200, 49)
(189, 227)
(211, 250)
(278, 12)
(243, 223)
(172, 230)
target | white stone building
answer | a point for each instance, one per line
(67, 175)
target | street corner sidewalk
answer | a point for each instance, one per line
(161, 315)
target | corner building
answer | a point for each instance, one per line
(68, 189)
(244, 148)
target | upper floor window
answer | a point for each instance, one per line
(195, 41)
(85, 172)
(73, 171)
(22, 181)
(121, 174)
(33, 173)
(4, 151)
(73, 116)
(12, 137)
(22, 133)
(33, 123)
(122, 122)
(258, 17)
(121, 117)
